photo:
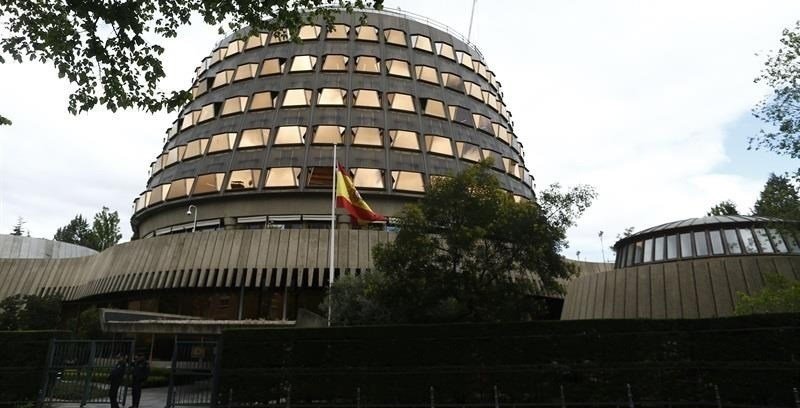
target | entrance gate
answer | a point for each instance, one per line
(192, 380)
(77, 371)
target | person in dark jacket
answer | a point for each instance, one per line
(115, 379)
(139, 371)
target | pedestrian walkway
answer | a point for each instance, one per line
(151, 398)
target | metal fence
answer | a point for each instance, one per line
(192, 379)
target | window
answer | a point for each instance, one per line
(368, 64)
(438, 145)
(732, 242)
(474, 90)
(208, 183)
(648, 250)
(328, 134)
(432, 107)
(401, 102)
(222, 142)
(367, 136)
(791, 241)
(501, 132)
(407, 181)
(297, 97)
(659, 249)
(200, 88)
(207, 112)
(763, 240)
(780, 244)
(398, 68)
(468, 151)
(700, 243)
(195, 148)
(335, 63)
(234, 105)
(255, 41)
(253, 138)
(490, 100)
(716, 242)
(483, 123)
(222, 78)
(282, 177)
(629, 252)
(395, 37)
(366, 33)
(464, 59)
(331, 96)
(320, 177)
(672, 247)
(287, 135)
(174, 154)
(480, 69)
(245, 71)
(496, 158)
(280, 36)
(452, 81)
(303, 63)
(263, 100)
(460, 115)
(427, 74)
(217, 56)
(338, 32)
(272, 66)
(367, 98)
(180, 188)
(244, 179)
(159, 194)
(421, 42)
(404, 139)
(309, 32)
(749, 241)
(686, 245)
(638, 252)
(140, 203)
(445, 50)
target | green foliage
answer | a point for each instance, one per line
(726, 207)
(17, 230)
(4, 121)
(87, 324)
(22, 363)
(76, 232)
(103, 234)
(30, 312)
(780, 295)
(779, 199)
(111, 51)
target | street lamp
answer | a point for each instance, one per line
(189, 212)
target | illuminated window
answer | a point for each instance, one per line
(490, 100)
(460, 115)
(480, 69)
(328, 134)
(319, 177)
(366, 33)
(263, 100)
(367, 178)
(174, 155)
(221, 142)
(335, 62)
(180, 188)
(395, 37)
(427, 74)
(474, 90)
(452, 81)
(398, 68)
(222, 78)
(331, 97)
(280, 36)
(234, 105)
(468, 151)
(207, 112)
(208, 183)
(159, 194)
(445, 50)
(278, 177)
(368, 64)
(217, 56)
(401, 102)
(367, 136)
(244, 179)
(253, 138)
(234, 47)
(483, 123)
(464, 59)
(407, 181)
(501, 132)
(245, 71)
(287, 135)
(195, 148)
(433, 107)
(255, 41)
(297, 97)
(367, 98)
(189, 119)
(421, 42)
(309, 32)
(302, 63)
(439, 145)
(272, 66)
(339, 32)
(200, 88)
(404, 139)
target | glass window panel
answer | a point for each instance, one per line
(700, 243)
(331, 96)
(672, 247)
(648, 250)
(732, 242)
(460, 115)
(280, 36)
(320, 177)
(222, 78)
(790, 239)
(395, 37)
(290, 135)
(749, 241)
(508, 165)
(366, 33)
(297, 97)
(234, 105)
(763, 240)
(445, 50)
(217, 56)
(195, 148)
(629, 253)
(338, 32)
(367, 98)
(501, 132)
(432, 107)
(716, 242)
(263, 100)
(401, 102)
(200, 88)
(159, 194)
(180, 188)
(208, 183)
(335, 62)
(140, 203)
(221, 142)
(638, 252)
(474, 90)
(452, 81)
(368, 64)
(421, 42)
(245, 71)
(253, 138)
(398, 68)
(367, 136)
(658, 245)
(496, 158)
(282, 177)
(207, 113)
(480, 69)
(686, 245)
(255, 41)
(439, 145)
(172, 156)
(244, 179)
(272, 66)
(368, 178)
(490, 100)
(303, 63)
(427, 74)
(780, 245)
(309, 32)
(408, 181)
(464, 59)
(404, 139)
(468, 151)
(328, 134)
(483, 123)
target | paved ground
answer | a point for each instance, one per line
(151, 398)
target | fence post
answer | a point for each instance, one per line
(171, 387)
(630, 396)
(717, 397)
(358, 397)
(215, 373)
(496, 398)
(48, 366)
(289, 395)
(563, 399)
(87, 387)
(433, 397)
(796, 397)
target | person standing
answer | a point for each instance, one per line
(140, 370)
(115, 378)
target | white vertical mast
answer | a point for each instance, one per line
(471, 17)
(332, 242)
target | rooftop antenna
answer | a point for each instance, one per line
(471, 17)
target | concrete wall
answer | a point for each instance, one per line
(12, 246)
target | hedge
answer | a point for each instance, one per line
(23, 357)
(750, 360)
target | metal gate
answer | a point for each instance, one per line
(192, 380)
(77, 370)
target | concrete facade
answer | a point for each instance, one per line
(19, 247)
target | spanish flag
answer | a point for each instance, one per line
(347, 197)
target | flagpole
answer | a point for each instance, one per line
(332, 235)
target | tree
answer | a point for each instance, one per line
(466, 252)
(779, 199)
(17, 229)
(76, 232)
(30, 312)
(105, 230)
(110, 51)
(624, 234)
(780, 295)
(726, 207)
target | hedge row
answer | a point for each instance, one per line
(753, 359)
(23, 357)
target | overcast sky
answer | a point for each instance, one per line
(649, 102)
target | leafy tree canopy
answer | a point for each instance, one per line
(103, 234)
(726, 207)
(30, 312)
(780, 295)
(778, 199)
(466, 252)
(111, 50)
(76, 232)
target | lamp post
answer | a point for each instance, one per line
(190, 212)
(602, 247)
